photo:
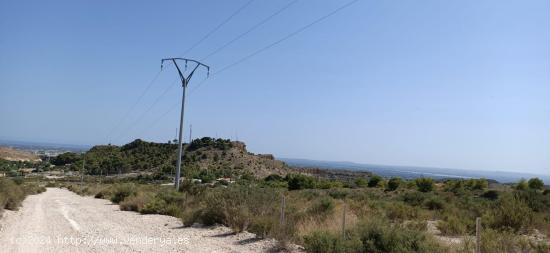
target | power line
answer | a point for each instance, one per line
(174, 106)
(168, 88)
(217, 27)
(251, 29)
(186, 51)
(134, 105)
(288, 36)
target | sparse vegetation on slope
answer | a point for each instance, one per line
(227, 185)
(13, 192)
(377, 219)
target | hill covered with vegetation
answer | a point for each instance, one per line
(206, 158)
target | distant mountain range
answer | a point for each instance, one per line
(411, 172)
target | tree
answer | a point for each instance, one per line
(65, 158)
(521, 185)
(394, 183)
(491, 194)
(536, 184)
(361, 182)
(424, 184)
(299, 181)
(477, 184)
(374, 181)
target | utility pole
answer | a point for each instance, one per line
(190, 133)
(184, 83)
(82, 171)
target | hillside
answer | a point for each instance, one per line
(11, 154)
(203, 158)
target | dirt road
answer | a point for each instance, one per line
(61, 221)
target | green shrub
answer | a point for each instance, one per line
(237, 206)
(393, 184)
(12, 194)
(521, 185)
(434, 203)
(534, 200)
(273, 177)
(494, 241)
(121, 191)
(263, 226)
(418, 225)
(536, 184)
(477, 184)
(414, 198)
(135, 202)
(328, 184)
(323, 206)
(154, 206)
(424, 184)
(170, 195)
(18, 180)
(374, 181)
(491, 194)
(213, 212)
(299, 181)
(452, 226)
(399, 211)
(104, 193)
(510, 212)
(339, 193)
(380, 237)
(323, 242)
(190, 216)
(173, 209)
(361, 182)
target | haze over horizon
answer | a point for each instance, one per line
(453, 85)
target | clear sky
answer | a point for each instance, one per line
(461, 84)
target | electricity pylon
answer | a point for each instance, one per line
(184, 83)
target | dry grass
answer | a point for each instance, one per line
(136, 202)
(332, 222)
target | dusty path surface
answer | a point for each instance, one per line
(61, 221)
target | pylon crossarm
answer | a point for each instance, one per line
(186, 61)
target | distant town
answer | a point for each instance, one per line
(44, 149)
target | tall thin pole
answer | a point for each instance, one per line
(184, 82)
(82, 172)
(283, 207)
(180, 146)
(478, 235)
(190, 133)
(344, 221)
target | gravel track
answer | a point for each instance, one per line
(61, 221)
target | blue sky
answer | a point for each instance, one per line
(460, 84)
